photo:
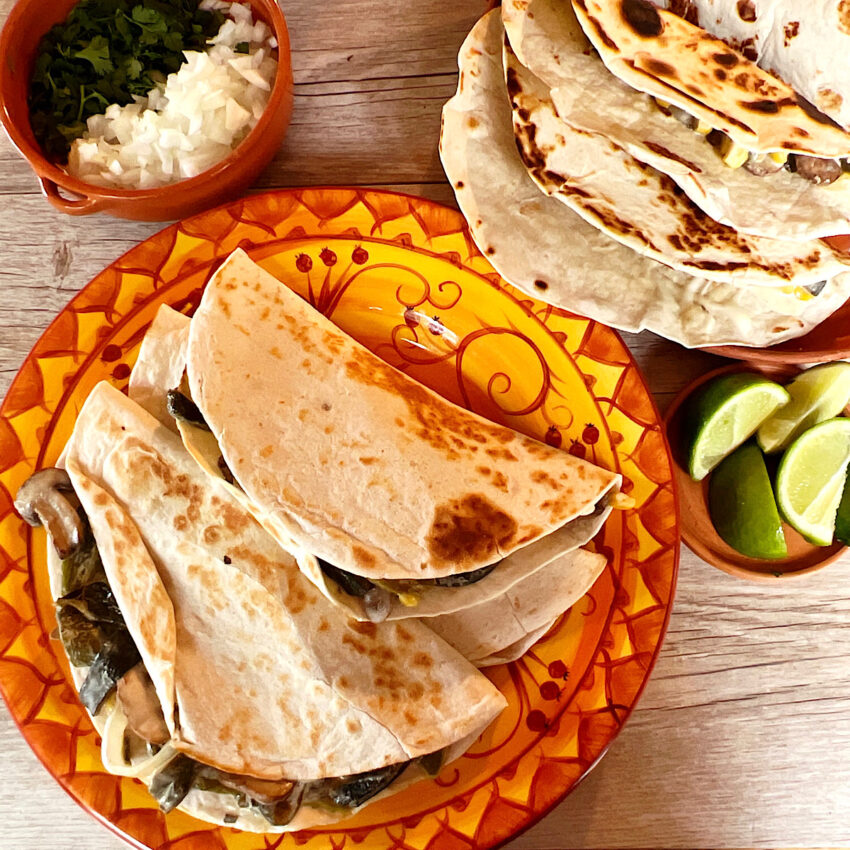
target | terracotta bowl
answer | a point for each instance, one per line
(28, 22)
(697, 529)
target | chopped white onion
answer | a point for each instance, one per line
(191, 121)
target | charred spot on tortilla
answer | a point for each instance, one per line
(512, 82)
(541, 285)
(746, 11)
(469, 527)
(662, 151)
(791, 30)
(656, 66)
(600, 31)
(642, 17)
(363, 557)
(183, 409)
(766, 107)
(685, 9)
(727, 60)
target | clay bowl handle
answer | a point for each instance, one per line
(83, 206)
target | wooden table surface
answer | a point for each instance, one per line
(742, 737)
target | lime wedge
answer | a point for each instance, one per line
(742, 507)
(842, 518)
(811, 479)
(816, 395)
(723, 414)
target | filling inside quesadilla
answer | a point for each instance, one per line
(117, 688)
(818, 170)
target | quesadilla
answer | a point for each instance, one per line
(403, 499)
(804, 42)
(759, 197)
(658, 52)
(757, 161)
(642, 207)
(541, 246)
(215, 670)
(490, 624)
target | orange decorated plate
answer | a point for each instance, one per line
(403, 276)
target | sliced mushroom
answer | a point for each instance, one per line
(41, 501)
(819, 171)
(141, 705)
(281, 812)
(261, 790)
(377, 603)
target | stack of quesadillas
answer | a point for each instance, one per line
(274, 610)
(213, 668)
(616, 159)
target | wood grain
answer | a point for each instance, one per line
(742, 737)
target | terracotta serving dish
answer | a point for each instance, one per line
(28, 22)
(697, 529)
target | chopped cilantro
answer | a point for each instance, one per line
(106, 52)
(242, 47)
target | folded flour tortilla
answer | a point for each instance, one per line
(257, 674)
(354, 462)
(501, 626)
(489, 622)
(547, 39)
(541, 246)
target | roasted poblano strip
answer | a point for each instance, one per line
(117, 655)
(170, 786)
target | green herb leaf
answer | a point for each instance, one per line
(97, 52)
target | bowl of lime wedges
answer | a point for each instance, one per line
(762, 456)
